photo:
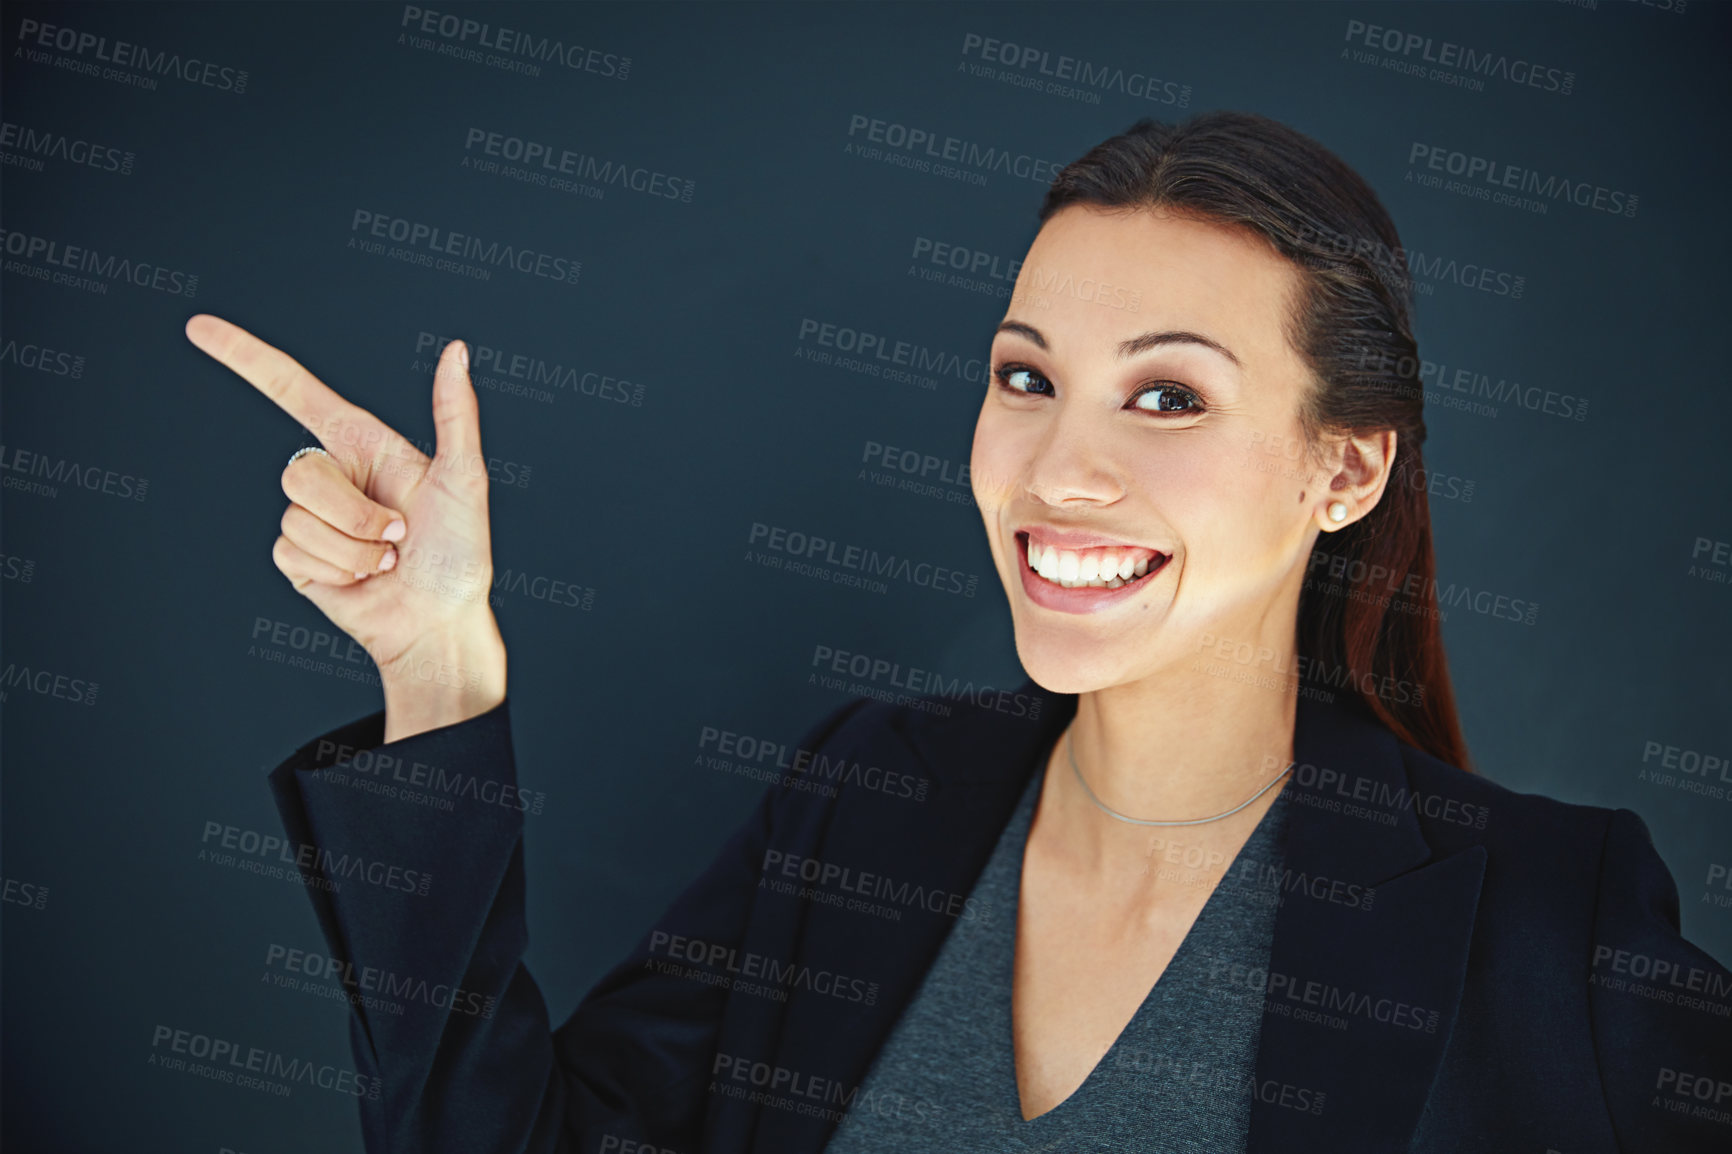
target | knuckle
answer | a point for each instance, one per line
(284, 556)
(296, 479)
(278, 386)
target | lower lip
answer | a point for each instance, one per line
(1082, 599)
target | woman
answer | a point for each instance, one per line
(1234, 890)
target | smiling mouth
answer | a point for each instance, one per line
(1107, 567)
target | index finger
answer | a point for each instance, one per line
(274, 373)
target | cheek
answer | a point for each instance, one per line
(1000, 453)
(1192, 478)
(1221, 505)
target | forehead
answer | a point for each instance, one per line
(1094, 277)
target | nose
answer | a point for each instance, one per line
(1070, 465)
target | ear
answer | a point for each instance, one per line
(1361, 464)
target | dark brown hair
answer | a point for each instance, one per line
(1353, 327)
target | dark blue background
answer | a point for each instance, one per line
(650, 505)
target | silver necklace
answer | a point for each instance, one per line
(1111, 812)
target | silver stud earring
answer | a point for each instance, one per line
(1337, 511)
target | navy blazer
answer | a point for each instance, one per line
(1455, 966)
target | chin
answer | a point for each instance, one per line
(1072, 665)
(1081, 652)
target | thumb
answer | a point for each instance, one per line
(456, 414)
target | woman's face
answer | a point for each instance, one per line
(1145, 395)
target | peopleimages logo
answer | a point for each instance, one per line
(65, 471)
(520, 51)
(435, 240)
(951, 149)
(917, 358)
(122, 54)
(230, 1060)
(46, 683)
(49, 251)
(1284, 990)
(553, 160)
(27, 147)
(251, 844)
(360, 984)
(823, 550)
(1453, 60)
(532, 370)
(784, 977)
(812, 764)
(1406, 269)
(1498, 176)
(1140, 85)
(832, 876)
(29, 355)
(1319, 782)
(1439, 379)
(915, 682)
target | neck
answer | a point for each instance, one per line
(1173, 746)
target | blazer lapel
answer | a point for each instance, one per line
(1361, 994)
(918, 858)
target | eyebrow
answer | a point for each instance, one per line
(1137, 344)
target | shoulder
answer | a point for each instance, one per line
(1457, 809)
(853, 758)
(1577, 930)
(861, 728)
(901, 768)
(1578, 869)
(968, 733)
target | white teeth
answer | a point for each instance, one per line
(1101, 569)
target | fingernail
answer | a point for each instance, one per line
(360, 576)
(463, 355)
(393, 531)
(388, 561)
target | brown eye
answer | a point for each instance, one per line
(1167, 398)
(1021, 379)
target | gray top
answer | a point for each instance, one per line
(1179, 1078)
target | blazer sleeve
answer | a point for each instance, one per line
(423, 908)
(1659, 1007)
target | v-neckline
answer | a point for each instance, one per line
(1023, 816)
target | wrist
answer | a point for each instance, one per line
(432, 686)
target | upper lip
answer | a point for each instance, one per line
(1049, 537)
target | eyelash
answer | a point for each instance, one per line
(1001, 374)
